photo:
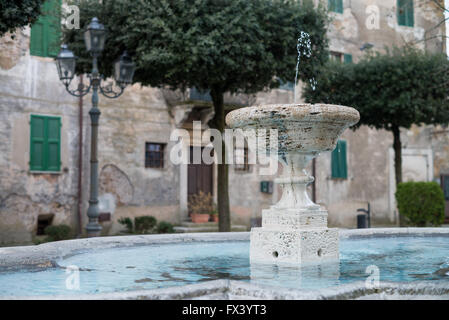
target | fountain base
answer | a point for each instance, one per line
(294, 237)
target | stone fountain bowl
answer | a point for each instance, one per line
(210, 266)
(302, 128)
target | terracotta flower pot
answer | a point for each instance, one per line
(214, 217)
(199, 217)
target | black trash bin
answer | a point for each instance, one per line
(362, 221)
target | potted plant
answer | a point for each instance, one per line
(214, 215)
(201, 205)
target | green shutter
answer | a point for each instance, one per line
(405, 12)
(37, 143)
(347, 58)
(335, 5)
(46, 32)
(45, 143)
(445, 181)
(339, 161)
(54, 27)
(37, 39)
(53, 144)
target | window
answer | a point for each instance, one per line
(290, 86)
(198, 95)
(341, 57)
(335, 6)
(154, 155)
(347, 58)
(336, 56)
(241, 159)
(339, 162)
(45, 143)
(405, 13)
(46, 31)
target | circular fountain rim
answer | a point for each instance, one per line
(293, 113)
(44, 255)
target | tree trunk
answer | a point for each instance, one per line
(224, 217)
(397, 146)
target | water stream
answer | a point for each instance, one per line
(304, 48)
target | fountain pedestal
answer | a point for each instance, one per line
(292, 236)
(294, 231)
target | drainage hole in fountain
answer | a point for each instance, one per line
(319, 253)
(275, 254)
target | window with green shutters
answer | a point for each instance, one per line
(45, 143)
(335, 6)
(46, 31)
(347, 58)
(339, 161)
(405, 13)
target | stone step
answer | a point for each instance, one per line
(189, 227)
(189, 224)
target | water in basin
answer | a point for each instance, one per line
(398, 259)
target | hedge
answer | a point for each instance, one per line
(421, 203)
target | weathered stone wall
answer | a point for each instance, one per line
(375, 22)
(126, 124)
(370, 163)
(29, 85)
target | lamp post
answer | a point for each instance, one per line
(94, 38)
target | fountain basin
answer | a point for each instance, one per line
(302, 128)
(412, 263)
(294, 230)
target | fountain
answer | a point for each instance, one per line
(294, 255)
(294, 231)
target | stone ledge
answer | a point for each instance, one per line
(39, 256)
(392, 232)
(213, 227)
(13, 258)
(238, 290)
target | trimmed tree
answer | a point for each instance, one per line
(235, 46)
(18, 13)
(391, 91)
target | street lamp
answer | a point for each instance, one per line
(94, 38)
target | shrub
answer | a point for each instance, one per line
(127, 222)
(421, 203)
(201, 203)
(165, 227)
(141, 225)
(57, 233)
(144, 224)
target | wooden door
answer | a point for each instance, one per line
(200, 177)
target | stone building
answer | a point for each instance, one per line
(359, 26)
(39, 187)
